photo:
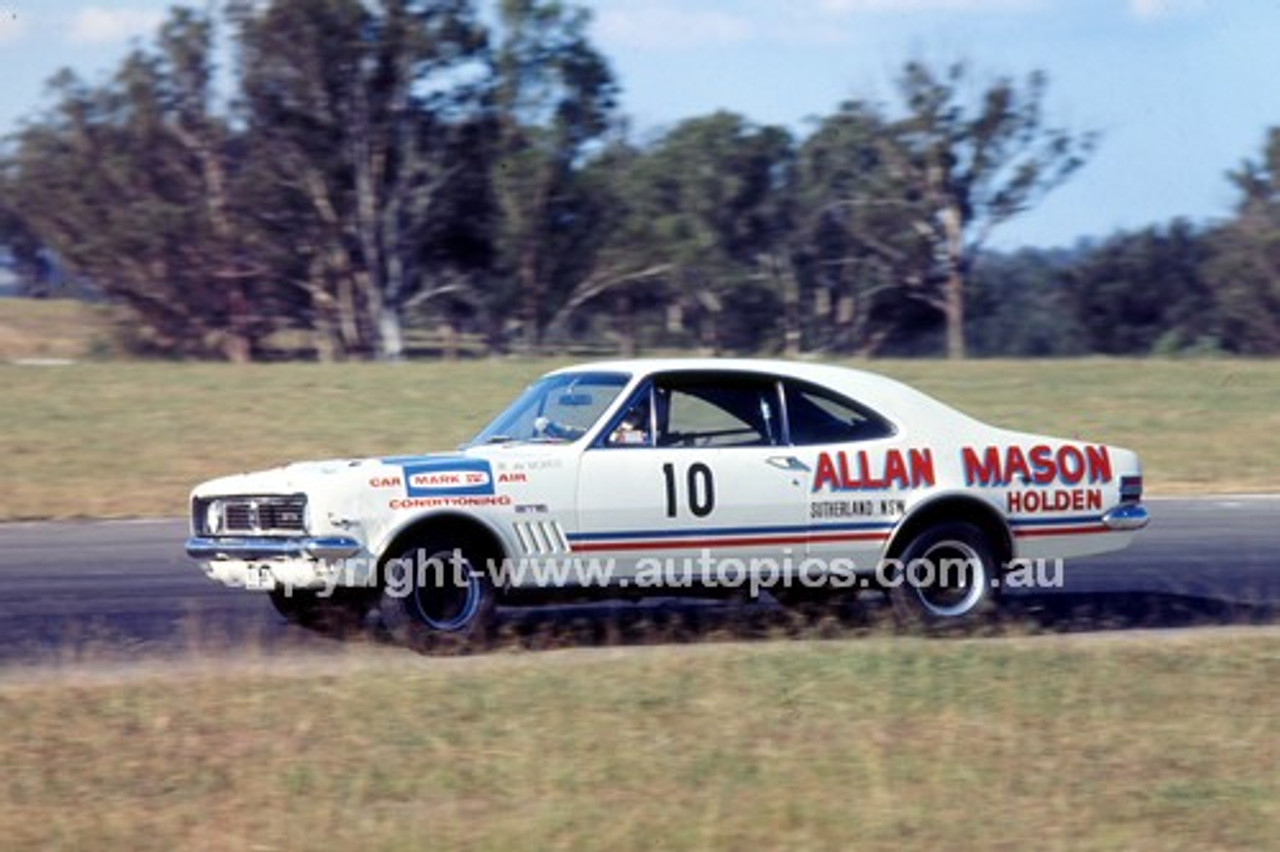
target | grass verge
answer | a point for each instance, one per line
(54, 329)
(121, 440)
(1121, 743)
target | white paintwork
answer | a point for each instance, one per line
(543, 494)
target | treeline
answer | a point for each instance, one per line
(381, 168)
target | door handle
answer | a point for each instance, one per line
(787, 463)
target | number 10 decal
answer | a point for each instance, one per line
(700, 486)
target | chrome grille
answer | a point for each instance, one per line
(254, 515)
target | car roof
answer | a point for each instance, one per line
(880, 392)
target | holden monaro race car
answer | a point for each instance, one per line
(802, 480)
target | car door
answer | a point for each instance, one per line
(701, 488)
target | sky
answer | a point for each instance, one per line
(1182, 91)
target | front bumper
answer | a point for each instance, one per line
(327, 548)
(271, 563)
(1127, 516)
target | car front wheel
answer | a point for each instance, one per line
(435, 596)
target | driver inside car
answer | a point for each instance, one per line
(633, 429)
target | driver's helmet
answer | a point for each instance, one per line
(633, 428)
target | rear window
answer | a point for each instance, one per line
(818, 416)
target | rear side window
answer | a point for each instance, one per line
(817, 416)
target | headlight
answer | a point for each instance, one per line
(252, 515)
(214, 517)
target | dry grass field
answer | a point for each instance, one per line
(40, 329)
(1105, 743)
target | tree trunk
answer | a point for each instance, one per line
(845, 321)
(954, 295)
(793, 342)
(709, 333)
(955, 314)
(325, 337)
(785, 283)
(236, 349)
(675, 317)
(237, 346)
(531, 302)
(348, 318)
(625, 325)
(451, 338)
(391, 314)
(390, 334)
(325, 342)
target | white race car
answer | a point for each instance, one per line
(652, 476)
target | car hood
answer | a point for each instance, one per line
(332, 474)
(285, 479)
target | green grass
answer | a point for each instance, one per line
(1199, 425)
(130, 439)
(1094, 744)
(108, 440)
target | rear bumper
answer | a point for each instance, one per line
(1127, 516)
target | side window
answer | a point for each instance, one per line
(709, 410)
(818, 416)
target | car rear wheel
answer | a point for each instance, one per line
(435, 596)
(947, 574)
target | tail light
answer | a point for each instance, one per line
(1131, 489)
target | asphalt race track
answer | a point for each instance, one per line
(78, 590)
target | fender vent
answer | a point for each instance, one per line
(541, 537)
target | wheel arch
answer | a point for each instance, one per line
(950, 508)
(468, 530)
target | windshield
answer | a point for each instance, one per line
(556, 408)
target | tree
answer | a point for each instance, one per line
(355, 111)
(128, 184)
(712, 191)
(1022, 305)
(862, 258)
(1245, 271)
(622, 271)
(971, 167)
(27, 257)
(553, 95)
(1145, 290)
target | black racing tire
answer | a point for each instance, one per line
(437, 596)
(948, 574)
(341, 612)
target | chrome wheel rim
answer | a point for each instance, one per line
(949, 579)
(448, 595)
